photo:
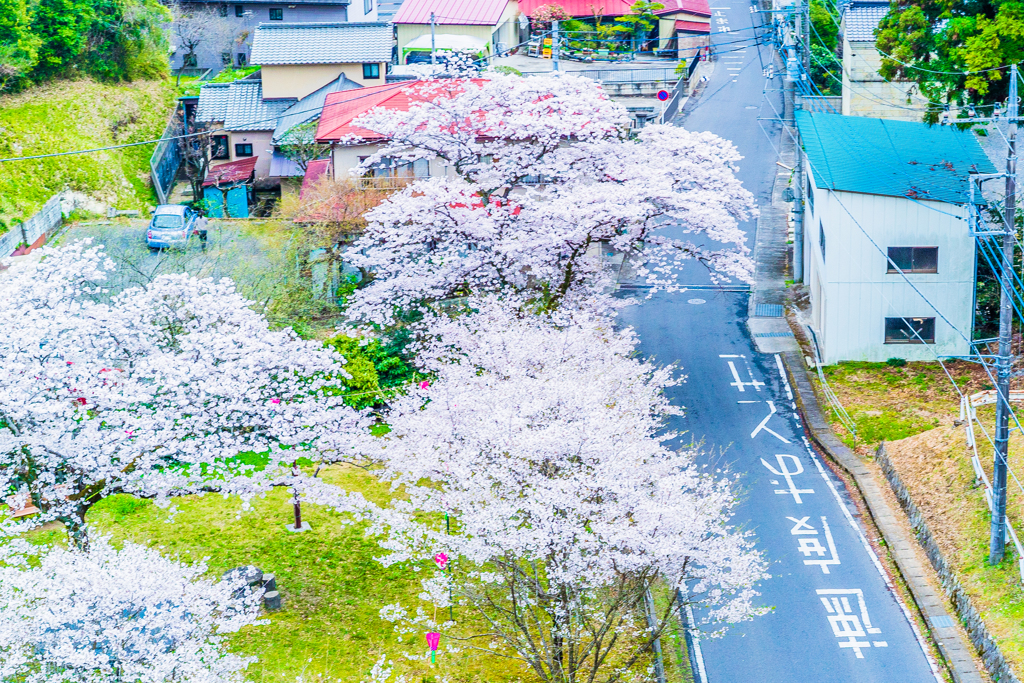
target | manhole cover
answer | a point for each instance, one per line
(696, 301)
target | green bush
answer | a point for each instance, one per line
(896, 362)
(374, 368)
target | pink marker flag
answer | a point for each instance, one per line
(441, 560)
(433, 639)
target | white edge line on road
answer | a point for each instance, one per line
(860, 534)
(874, 559)
(702, 674)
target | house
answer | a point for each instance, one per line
(297, 59)
(290, 124)
(246, 121)
(229, 189)
(865, 92)
(684, 25)
(229, 41)
(492, 22)
(881, 194)
(350, 145)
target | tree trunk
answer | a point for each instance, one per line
(78, 534)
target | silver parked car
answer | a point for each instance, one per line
(173, 225)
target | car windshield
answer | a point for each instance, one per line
(167, 221)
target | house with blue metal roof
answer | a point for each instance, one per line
(888, 258)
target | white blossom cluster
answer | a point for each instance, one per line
(152, 392)
(120, 615)
(540, 173)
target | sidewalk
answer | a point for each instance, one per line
(772, 333)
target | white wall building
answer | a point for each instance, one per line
(881, 194)
(865, 92)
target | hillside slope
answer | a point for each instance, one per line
(72, 115)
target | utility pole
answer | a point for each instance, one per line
(792, 76)
(433, 46)
(997, 542)
(554, 44)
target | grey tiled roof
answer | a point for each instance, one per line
(310, 106)
(240, 106)
(323, 43)
(861, 19)
(213, 102)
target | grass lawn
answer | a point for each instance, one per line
(332, 587)
(888, 403)
(912, 409)
(72, 115)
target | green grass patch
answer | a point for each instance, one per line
(888, 402)
(75, 115)
(332, 587)
(190, 87)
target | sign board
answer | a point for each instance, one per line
(663, 95)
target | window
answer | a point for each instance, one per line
(276, 14)
(239, 11)
(222, 10)
(821, 239)
(367, 6)
(241, 59)
(810, 194)
(189, 60)
(225, 58)
(219, 147)
(371, 70)
(243, 150)
(910, 330)
(913, 259)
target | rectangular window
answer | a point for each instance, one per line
(219, 147)
(225, 58)
(821, 239)
(243, 150)
(913, 259)
(810, 194)
(910, 330)
(276, 14)
(189, 60)
(241, 59)
(239, 11)
(371, 70)
(367, 6)
(222, 10)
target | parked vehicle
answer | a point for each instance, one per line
(172, 225)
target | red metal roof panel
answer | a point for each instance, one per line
(485, 12)
(580, 8)
(693, 26)
(700, 7)
(315, 170)
(232, 172)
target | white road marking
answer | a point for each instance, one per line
(764, 424)
(785, 378)
(739, 384)
(788, 475)
(874, 560)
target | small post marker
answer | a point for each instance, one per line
(432, 641)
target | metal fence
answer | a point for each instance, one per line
(650, 75)
(166, 159)
(47, 219)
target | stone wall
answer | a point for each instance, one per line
(969, 616)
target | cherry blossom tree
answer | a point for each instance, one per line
(120, 615)
(543, 446)
(162, 390)
(543, 175)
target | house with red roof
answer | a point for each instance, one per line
(351, 145)
(492, 23)
(683, 25)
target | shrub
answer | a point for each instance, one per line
(896, 362)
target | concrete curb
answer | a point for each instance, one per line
(955, 650)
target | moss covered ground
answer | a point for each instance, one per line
(74, 115)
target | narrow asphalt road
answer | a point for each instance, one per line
(834, 615)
